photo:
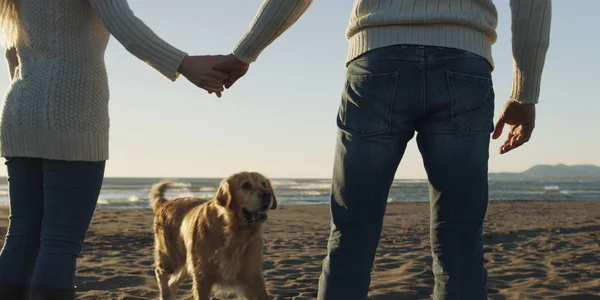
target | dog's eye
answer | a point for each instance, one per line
(264, 185)
(246, 185)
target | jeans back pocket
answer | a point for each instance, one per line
(472, 97)
(367, 103)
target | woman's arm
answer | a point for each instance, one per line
(138, 38)
(12, 60)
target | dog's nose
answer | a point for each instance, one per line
(265, 194)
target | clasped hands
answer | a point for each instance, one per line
(213, 73)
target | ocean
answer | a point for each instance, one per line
(128, 193)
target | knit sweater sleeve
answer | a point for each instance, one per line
(530, 40)
(273, 18)
(12, 61)
(138, 38)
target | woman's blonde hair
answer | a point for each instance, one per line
(9, 21)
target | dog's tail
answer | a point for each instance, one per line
(157, 194)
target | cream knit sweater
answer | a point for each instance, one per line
(464, 24)
(57, 104)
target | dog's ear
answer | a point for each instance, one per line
(224, 196)
(274, 205)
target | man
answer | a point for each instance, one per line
(425, 67)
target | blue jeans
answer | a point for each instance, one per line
(51, 206)
(446, 96)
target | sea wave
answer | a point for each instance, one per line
(551, 188)
(312, 186)
(133, 193)
(282, 182)
(180, 185)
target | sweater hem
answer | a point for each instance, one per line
(67, 146)
(450, 36)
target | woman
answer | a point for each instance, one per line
(54, 128)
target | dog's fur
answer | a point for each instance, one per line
(217, 242)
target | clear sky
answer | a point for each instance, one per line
(280, 118)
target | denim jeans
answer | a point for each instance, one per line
(51, 206)
(445, 96)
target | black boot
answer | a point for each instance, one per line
(13, 292)
(45, 294)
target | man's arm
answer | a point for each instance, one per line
(273, 18)
(530, 39)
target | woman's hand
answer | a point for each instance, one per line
(198, 70)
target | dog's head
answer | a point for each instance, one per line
(250, 195)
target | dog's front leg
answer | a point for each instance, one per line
(163, 284)
(202, 286)
(176, 280)
(254, 287)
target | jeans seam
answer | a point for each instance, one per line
(423, 77)
(386, 59)
(392, 101)
(458, 270)
(344, 104)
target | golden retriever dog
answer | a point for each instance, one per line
(217, 242)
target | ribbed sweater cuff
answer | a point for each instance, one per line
(525, 88)
(166, 60)
(245, 52)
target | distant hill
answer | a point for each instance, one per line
(552, 172)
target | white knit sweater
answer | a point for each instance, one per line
(57, 104)
(464, 24)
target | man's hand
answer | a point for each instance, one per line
(231, 65)
(198, 70)
(521, 118)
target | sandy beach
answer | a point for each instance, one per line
(534, 250)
